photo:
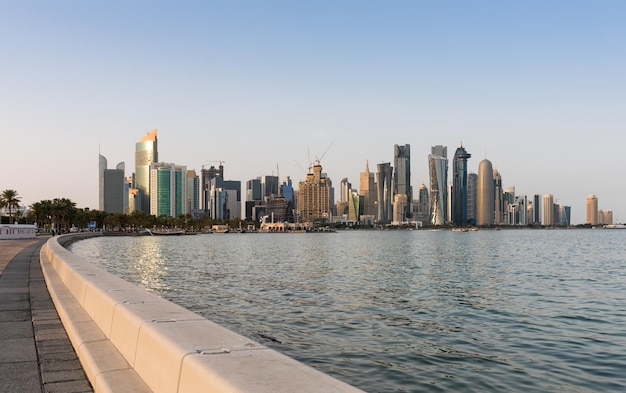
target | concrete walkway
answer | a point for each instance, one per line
(35, 353)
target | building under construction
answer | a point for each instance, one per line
(313, 198)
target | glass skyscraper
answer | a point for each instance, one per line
(459, 186)
(438, 168)
(146, 153)
(383, 188)
(402, 174)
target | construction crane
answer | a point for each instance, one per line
(318, 159)
(221, 162)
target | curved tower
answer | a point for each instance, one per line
(485, 194)
(438, 168)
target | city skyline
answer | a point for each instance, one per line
(266, 88)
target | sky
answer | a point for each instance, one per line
(537, 87)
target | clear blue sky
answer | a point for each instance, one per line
(539, 87)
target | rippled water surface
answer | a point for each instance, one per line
(406, 311)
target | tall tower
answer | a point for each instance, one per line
(368, 190)
(313, 198)
(111, 187)
(146, 153)
(536, 209)
(168, 189)
(592, 209)
(498, 197)
(383, 190)
(402, 175)
(548, 210)
(485, 194)
(438, 168)
(459, 186)
(472, 183)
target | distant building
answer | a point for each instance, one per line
(355, 207)
(207, 176)
(345, 191)
(459, 186)
(498, 200)
(472, 182)
(423, 204)
(566, 213)
(548, 210)
(537, 209)
(286, 190)
(438, 169)
(168, 189)
(146, 153)
(367, 188)
(384, 192)
(485, 194)
(111, 187)
(605, 217)
(592, 210)
(313, 201)
(400, 203)
(193, 191)
(402, 175)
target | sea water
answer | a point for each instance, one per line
(406, 311)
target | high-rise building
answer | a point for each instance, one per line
(286, 190)
(345, 190)
(592, 209)
(193, 191)
(168, 189)
(402, 175)
(367, 188)
(605, 217)
(355, 206)
(459, 186)
(548, 210)
(399, 208)
(472, 182)
(438, 170)
(146, 153)
(537, 209)
(384, 191)
(485, 194)
(111, 187)
(566, 212)
(313, 203)
(207, 176)
(498, 198)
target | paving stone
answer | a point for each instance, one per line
(18, 350)
(22, 329)
(68, 387)
(19, 377)
(14, 316)
(63, 376)
(60, 365)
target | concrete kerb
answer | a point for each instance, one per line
(120, 330)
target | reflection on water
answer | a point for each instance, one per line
(406, 311)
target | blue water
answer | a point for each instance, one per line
(406, 311)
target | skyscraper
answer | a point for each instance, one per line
(498, 198)
(459, 186)
(207, 176)
(485, 194)
(313, 198)
(402, 175)
(367, 188)
(193, 191)
(537, 209)
(592, 209)
(111, 194)
(168, 189)
(472, 182)
(146, 153)
(548, 210)
(383, 191)
(438, 169)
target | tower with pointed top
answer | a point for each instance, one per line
(367, 188)
(459, 186)
(402, 177)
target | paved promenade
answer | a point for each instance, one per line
(35, 353)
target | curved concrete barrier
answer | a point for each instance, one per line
(131, 340)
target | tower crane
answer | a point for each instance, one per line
(221, 162)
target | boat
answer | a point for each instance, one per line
(167, 232)
(460, 229)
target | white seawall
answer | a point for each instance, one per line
(131, 340)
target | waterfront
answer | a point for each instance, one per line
(411, 311)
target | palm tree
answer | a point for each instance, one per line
(9, 200)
